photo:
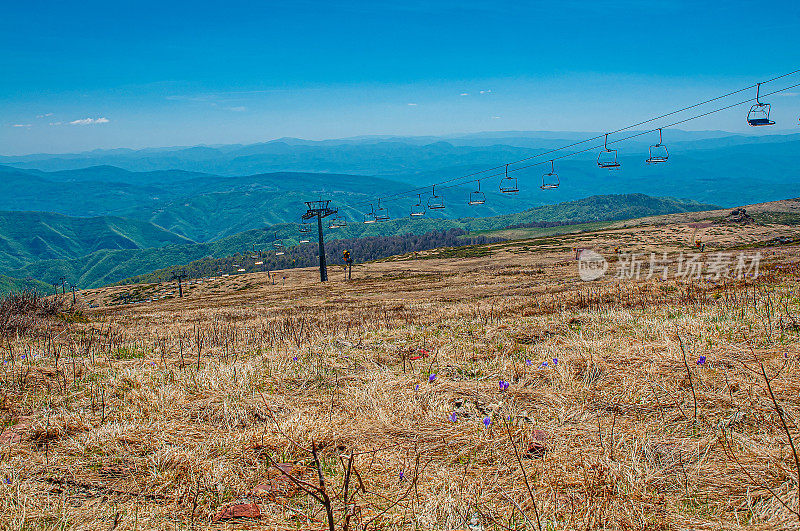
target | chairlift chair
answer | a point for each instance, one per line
(279, 247)
(608, 157)
(337, 222)
(305, 227)
(550, 180)
(658, 152)
(381, 214)
(759, 113)
(435, 202)
(418, 209)
(303, 239)
(508, 184)
(370, 217)
(477, 197)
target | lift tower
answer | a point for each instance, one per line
(319, 210)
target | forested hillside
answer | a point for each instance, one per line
(26, 237)
(110, 266)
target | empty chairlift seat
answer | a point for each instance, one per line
(550, 180)
(337, 222)
(608, 157)
(477, 197)
(508, 185)
(759, 113)
(370, 216)
(381, 214)
(435, 202)
(658, 152)
(418, 209)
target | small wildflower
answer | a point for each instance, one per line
(431, 378)
(452, 416)
(555, 361)
(543, 365)
(402, 476)
(22, 357)
(504, 386)
(294, 359)
(528, 362)
(487, 421)
(701, 360)
(8, 481)
(416, 387)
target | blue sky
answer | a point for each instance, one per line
(86, 75)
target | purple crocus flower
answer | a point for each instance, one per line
(528, 362)
(431, 378)
(504, 386)
(22, 357)
(402, 476)
(701, 360)
(452, 416)
(294, 359)
(416, 387)
(555, 361)
(543, 365)
(487, 421)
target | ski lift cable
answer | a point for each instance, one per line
(649, 120)
(642, 133)
(600, 146)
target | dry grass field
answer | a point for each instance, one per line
(473, 388)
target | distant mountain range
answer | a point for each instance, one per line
(160, 185)
(109, 210)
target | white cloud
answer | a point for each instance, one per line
(240, 108)
(465, 93)
(56, 123)
(486, 91)
(21, 125)
(45, 115)
(495, 117)
(412, 104)
(90, 121)
(788, 94)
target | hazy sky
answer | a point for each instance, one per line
(86, 75)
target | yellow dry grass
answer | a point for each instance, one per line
(157, 415)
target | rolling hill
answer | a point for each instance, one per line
(28, 237)
(108, 266)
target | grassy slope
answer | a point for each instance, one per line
(634, 431)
